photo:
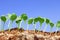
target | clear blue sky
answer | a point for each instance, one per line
(33, 8)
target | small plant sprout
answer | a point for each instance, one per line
(3, 18)
(12, 18)
(24, 17)
(35, 21)
(51, 25)
(58, 25)
(18, 20)
(41, 21)
(30, 21)
(47, 22)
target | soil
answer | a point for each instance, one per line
(21, 34)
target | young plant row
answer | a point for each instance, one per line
(24, 17)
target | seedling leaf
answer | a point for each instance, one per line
(13, 17)
(58, 24)
(3, 18)
(30, 21)
(47, 21)
(24, 17)
(35, 20)
(51, 24)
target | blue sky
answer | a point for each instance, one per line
(33, 8)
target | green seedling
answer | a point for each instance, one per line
(47, 21)
(57, 25)
(12, 18)
(18, 20)
(3, 18)
(41, 21)
(30, 21)
(24, 17)
(51, 25)
(35, 21)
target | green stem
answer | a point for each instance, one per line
(34, 26)
(10, 25)
(27, 27)
(40, 26)
(20, 23)
(45, 27)
(3, 27)
(56, 29)
(51, 29)
(25, 21)
(18, 26)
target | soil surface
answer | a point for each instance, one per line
(22, 34)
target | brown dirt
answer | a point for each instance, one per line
(22, 34)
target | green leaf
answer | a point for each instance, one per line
(47, 21)
(35, 20)
(18, 20)
(30, 21)
(13, 17)
(41, 20)
(24, 17)
(58, 24)
(51, 24)
(3, 18)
